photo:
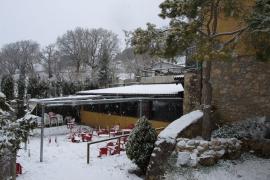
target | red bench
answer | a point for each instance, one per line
(18, 169)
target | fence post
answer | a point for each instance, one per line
(88, 156)
(42, 133)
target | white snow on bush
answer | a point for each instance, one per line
(170, 133)
(2, 95)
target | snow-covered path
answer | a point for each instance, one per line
(67, 161)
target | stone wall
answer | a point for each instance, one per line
(165, 145)
(241, 89)
(192, 93)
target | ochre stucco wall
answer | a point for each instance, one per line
(104, 120)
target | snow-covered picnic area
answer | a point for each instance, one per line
(66, 160)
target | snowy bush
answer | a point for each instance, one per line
(12, 132)
(250, 128)
(141, 143)
(7, 86)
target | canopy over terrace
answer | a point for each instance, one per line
(109, 95)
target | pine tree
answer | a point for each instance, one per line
(37, 88)
(21, 86)
(141, 143)
(68, 88)
(104, 69)
(7, 86)
(12, 133)
(259, 26)
(195, 24)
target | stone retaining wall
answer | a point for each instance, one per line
(241, 89)
(190, 152)
(164, 148)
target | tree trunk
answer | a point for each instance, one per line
(13, 166)
(8, 165)
(206, 100)
(49, 67)
(77, 70)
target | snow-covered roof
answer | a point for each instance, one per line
(66, 98)
(146, 89)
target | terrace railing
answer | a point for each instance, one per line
(109, 139)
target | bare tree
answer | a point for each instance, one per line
(84, 47)
(20, 55)
(71, 46)
(50, 57)
(135, 63)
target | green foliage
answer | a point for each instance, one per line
(7, 86)
(259, 27)
(88, 85)
(12, 132)
(69, 88)
(37, 88)
(141, 143)
(104, 69)
(192, 23)
(21, 87)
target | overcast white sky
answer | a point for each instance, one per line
(44, 20)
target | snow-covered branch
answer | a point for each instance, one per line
(230, 33)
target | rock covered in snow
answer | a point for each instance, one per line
(207, 160)
(191, 152)
(183, 158)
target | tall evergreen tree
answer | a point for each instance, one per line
(104, 72)
(12, 133)
(259, 26)
(7, 86)
(21, 86)
(37, 88)
(195, 23)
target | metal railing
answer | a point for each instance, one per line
(108, 139)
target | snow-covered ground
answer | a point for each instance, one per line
(248, 167)
(65, 160)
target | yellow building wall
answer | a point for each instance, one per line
(101, 120)
(230, 24)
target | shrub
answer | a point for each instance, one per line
(141, 143)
